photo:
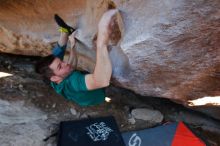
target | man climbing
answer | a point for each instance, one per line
(84, 89)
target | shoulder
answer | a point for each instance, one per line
(74, 75)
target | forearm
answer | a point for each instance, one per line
(72, 60)
(103, 69)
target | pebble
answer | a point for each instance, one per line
(84, 116)
(54, 105)
(73, 111)
(9, 67)
(20, 86)
(132, 120)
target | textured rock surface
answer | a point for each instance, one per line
(169, 48)
(22, 125)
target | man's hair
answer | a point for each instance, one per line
(42, 66)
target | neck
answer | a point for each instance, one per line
(59, 81)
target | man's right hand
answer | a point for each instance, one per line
(105, 28)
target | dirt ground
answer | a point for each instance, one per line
(25, 85)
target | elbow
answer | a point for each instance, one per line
(103, 84)
(106, 83)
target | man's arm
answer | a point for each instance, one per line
(103, 69)
(72, 60)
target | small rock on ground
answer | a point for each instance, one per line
(149, 115)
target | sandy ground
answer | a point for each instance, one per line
(31, 111)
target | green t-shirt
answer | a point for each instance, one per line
(74, 88)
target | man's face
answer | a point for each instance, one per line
(60, 68)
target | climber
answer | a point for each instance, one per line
(84, 89)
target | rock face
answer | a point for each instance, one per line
(166, 49)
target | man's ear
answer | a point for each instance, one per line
(56, 79)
